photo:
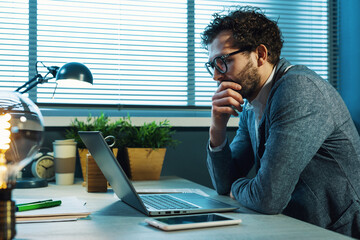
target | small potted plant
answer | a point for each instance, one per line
(145, 147)
(101, 123)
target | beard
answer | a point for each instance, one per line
(249, 80)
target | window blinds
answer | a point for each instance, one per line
(14, 43)
(140, 52)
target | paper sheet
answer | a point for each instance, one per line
(70, 209)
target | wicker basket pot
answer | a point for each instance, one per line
(145, 163)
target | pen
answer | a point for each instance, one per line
(21, 204)
(40, 204)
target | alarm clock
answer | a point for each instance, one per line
(43, 166)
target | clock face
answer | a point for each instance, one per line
(44, 168)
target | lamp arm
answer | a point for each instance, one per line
(38, 78)
(28, 82)
(33, 84)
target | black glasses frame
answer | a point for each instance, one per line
(211, 64)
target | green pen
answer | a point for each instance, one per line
(21, 204)
(40, 204)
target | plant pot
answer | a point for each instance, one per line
(145, 163)
(82, 155)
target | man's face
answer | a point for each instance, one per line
(241, 66)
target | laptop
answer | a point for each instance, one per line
(149, 204)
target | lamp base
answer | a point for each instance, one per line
(31, 183)
(7, 215)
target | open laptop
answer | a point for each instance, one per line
(149, 204)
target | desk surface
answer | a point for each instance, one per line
(113, 219)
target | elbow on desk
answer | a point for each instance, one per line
(267, 207)
(262, 205)
(270, 211)
(254, 198)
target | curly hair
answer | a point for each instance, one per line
(250, 28)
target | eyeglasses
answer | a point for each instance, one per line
(220, 62)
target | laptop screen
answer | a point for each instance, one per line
(111, 168)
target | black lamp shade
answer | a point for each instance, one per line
(75, 71)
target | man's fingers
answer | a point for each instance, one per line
(230, 99)
(226, 105)
(231, 195)
(228, 85)
(228, 93)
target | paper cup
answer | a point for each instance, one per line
(65, 156)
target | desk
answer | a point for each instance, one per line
(113, 219)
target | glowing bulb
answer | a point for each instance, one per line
(4, 145)
(21, 131)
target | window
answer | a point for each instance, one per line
(140, 52)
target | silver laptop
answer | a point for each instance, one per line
(149, 204)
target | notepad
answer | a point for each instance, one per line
(70, 209)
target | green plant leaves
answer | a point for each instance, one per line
(101, 123)
(150, 135)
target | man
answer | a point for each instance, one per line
(294, 128)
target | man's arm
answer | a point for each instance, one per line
(233, 161)
(222, 168)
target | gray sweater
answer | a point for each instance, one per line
(307, 156)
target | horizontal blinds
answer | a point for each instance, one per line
(303, 25)
(14, 43)
(140, 52)
(136, 50)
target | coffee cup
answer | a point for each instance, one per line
(64, 156)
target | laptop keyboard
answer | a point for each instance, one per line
(164, 201)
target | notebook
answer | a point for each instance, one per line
(149, 204)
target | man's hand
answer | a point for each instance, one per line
(225, 102)
(232, 196)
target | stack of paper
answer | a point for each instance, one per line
(70, 209)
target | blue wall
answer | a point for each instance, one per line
(350, 56)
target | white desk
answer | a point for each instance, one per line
(113, 219)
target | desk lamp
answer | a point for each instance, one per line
(71, 74)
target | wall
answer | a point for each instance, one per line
(349, 25)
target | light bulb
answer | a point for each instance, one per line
(21, 131)
(4, 146)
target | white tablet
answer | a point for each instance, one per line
(191, 221)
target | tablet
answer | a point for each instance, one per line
(191, 221)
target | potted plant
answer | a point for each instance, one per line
(101, 123)
(145, 147)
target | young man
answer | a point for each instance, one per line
(294, 128)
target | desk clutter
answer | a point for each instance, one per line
(71, 209)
